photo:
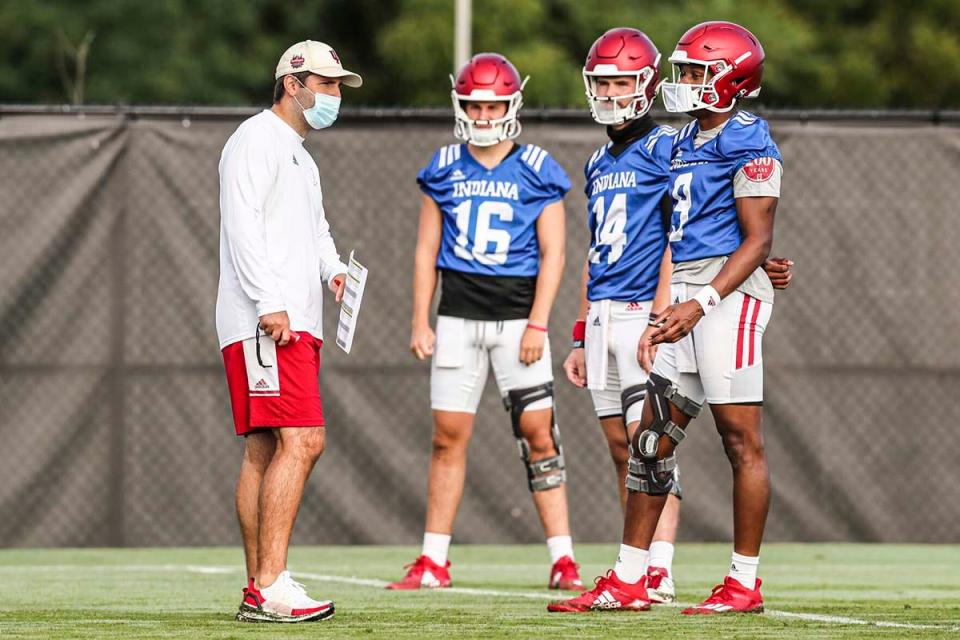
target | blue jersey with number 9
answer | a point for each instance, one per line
(627, 234)
(704, 222)
(490, 215)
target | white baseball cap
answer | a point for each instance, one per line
(315, 57)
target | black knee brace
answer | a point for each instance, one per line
(646, 471)
(547, 473)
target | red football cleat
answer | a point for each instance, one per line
(564, 575)
(729, 597)
(423, 573)
(609, 594)
(660, 588)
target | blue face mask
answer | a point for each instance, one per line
(324, 111)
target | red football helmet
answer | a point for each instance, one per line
(622, 52)
(487, 77)
(733, 66)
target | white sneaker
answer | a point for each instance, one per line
(283, 601)
(660, 588)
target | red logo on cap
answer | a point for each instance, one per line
(296, 62)
(334, 55)
(759, 169)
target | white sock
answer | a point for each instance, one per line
(661, 555)
(436, 546)
(559, 546)
(631, 564)
(744, 569)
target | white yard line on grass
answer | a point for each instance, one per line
(493, 593)
(533, 595)
(380, 584)
(819, 617)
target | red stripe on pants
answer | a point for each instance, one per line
(743, 319)
(753, 331)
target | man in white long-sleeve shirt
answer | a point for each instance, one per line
(276, 256)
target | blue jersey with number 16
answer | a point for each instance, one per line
(490, 215)
(627, 234)
(704, 222)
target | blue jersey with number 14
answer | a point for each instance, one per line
(627, 235)
(704, 222)
(490, 215)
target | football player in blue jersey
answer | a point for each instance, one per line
(632, 233)
(628, 209)
(492, 227)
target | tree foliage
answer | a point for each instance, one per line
(820, 53)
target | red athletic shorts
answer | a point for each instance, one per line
(280, 388)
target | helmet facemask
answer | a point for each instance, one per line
(682, 97)
(607, 109)
(486, 133)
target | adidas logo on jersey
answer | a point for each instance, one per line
(457, 175)
(261, 384)
(634, 306)
(295, 161)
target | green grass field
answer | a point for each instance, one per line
(811, 591)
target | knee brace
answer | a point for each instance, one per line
(646, 471)
(653, 477)
(547, 473)
(638, 477)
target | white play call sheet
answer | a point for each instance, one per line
(350, 305)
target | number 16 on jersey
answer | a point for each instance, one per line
(483, 234)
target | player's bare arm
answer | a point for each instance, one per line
(575, 366)
(755, 216)
(646, 349)
(422, 337)
(550, 236)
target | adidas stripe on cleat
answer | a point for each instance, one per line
(729, 597)
(609, 594)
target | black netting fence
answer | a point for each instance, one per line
(114, 415)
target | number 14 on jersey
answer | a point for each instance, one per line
(610, 225)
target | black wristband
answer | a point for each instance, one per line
(578, 344)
